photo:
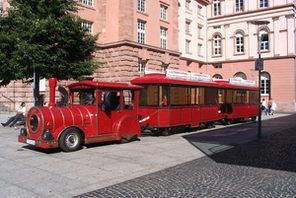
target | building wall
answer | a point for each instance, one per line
(116, 23)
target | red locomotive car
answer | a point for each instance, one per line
(98, 111)
(181, 99)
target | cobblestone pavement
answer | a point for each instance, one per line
(260, 168)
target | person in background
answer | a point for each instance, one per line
(20, 114)
(264, 106)
(273, 108)
(269, 105)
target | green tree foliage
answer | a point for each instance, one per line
(44, 36)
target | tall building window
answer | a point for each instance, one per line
(163, 12)
(187, 4)
(264, 40)
(239, 5)
(199, 30)
(265, 83)
(217, 45)
(199, 10)
(142, 5)
(239, 43)
(187, 46)
(87, 25)
(141, 66)
(217, 7)
(199, 49)
(163, 37)
(141, 31)
(263, 3)
(86, 2)
(187, 27)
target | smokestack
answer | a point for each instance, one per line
(52, 87)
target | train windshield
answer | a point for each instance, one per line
(84, 97)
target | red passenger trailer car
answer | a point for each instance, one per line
(182, 99)
(177, 99)
(238, 99)
(98, 111)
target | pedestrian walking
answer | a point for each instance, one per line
(264, 106)
(269, 105)
(273, 108)
(20, 114)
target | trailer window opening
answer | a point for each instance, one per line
(254, 97)
(180, 95)
(154, 95)
(211, 96)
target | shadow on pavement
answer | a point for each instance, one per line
(238, 145)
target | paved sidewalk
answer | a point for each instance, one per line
(30, 172)
(263, 168)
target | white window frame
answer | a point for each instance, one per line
(163, 12)
(163, 37)
(217, 40)
(265, 84)
(88, 25)
(141, 31)
(216, 8)
(86, 2)
(239, 43)
(264, 44)
(142, 5)
(141, 66)
(239, 5)
(263, 3)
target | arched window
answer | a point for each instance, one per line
(216, 7)
(239, 43)
(265, 83)
(239, 5)
(217, 45)
(240, 75)
(217, 76)
(264, 40)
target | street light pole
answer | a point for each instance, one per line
(259, 67)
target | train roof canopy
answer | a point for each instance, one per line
(87, 84)
(193, 79)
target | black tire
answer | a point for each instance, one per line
(70, 140)
(165, 132)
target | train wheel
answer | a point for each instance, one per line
(165, 132)
(70, 140)
(253, 118)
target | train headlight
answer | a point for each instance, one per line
(23, 132)
(47, 135)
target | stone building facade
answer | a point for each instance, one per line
(216, 37)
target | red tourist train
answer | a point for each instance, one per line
(101, 111)
(98, 111)
(190, 99)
